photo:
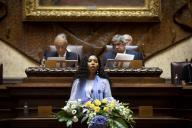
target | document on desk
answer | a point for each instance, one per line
(56, 58)
(122, 56)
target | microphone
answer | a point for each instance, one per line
(99, 91)
(92, 96)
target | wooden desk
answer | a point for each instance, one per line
(115, 80)
(163, 97)
(5, 103)
(69, 72)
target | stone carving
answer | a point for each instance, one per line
(32, 37)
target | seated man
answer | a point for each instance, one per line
(119, 46)
(61, 43)
(128, 39)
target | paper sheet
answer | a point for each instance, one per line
(122, 56)
(56, 58)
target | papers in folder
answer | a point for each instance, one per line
(60, 62)
(122, 56)
(56, 58)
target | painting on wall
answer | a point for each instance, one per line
(106, 3)
(92, 10)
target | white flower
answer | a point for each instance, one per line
(68, 103)
(73, 106)
(79, 100)
(121, 113)
(74, 112)
(71, 102)
(75, 119)
(65, 108)
(121, 107)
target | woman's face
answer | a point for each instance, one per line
(92, 64)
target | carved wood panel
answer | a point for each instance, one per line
(32, 37)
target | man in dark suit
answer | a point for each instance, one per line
(61, 43)
(128, 39)
(119, 47)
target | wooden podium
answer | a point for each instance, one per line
(135, 64)
(61, 63)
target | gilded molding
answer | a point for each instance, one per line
(32, 11)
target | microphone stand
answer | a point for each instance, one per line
(99, 91)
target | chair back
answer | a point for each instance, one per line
(177, 68)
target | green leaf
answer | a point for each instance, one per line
(62, 119)
(60, 114)
(69, 123)
(120, 123)
(63, 116)
(116, 114)
(84, 119)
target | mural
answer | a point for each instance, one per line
(92, 10)
(130, 3)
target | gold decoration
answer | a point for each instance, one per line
(32, 11)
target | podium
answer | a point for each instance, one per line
(131, 68)
(54, 68)
(124, 64)
(60, 63)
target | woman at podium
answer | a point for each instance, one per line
(90, 82)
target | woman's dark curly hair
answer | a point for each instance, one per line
(83, 73)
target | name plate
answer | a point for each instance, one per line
(44, 111)
(60, 63)
(145, 111)
(126, 64)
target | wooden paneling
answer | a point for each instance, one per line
(31, 38)
(1, 73)
(171, 104)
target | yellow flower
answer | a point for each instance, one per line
(87, 104)
(92, 106)
(104, 101)
(96, 109)
(106, 109)
(112, 104)
(97, 102)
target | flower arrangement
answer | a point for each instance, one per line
(70, 113)
(98, 114)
